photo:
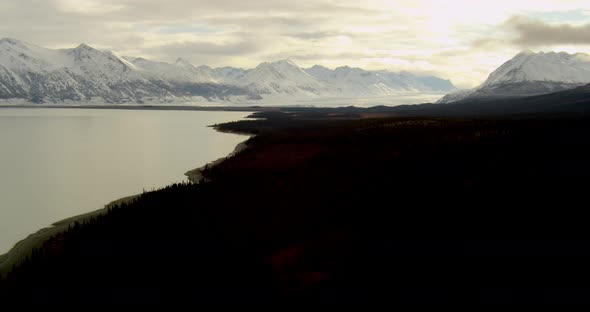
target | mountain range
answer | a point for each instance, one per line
(530, 74)
(33, 74)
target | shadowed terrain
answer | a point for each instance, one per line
(346, 206)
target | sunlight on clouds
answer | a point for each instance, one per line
(417, 66)
(88, 6)
(463, 40)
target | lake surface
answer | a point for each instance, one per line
(58, 163)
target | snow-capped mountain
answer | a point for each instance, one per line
(282, 77)
(352, 81)
(286, 78)
(39, 74)
(531, 73)
(359, 82)
(226, 74)
(84, 74)
(181, 71)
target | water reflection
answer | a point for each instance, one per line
(57, 163)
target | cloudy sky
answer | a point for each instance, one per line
(463, 40)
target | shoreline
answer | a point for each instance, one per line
(155, 107)
(23, 249)
(196, 175)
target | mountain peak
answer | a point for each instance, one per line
(279, 65)
(17, 43)
(84, 46)
(10, 41)
(543, 66)
(530, 73)
(285, 62)
(318, 67)
(527, 52)
(347, 69)
(204, 67)
(92, 72)
(184, 62)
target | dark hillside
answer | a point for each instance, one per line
(327, 206)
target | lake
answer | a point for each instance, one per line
(58, 163)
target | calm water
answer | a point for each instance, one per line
(57, 163)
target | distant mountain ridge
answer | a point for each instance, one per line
(529, 74)
(83, 74)
(87, 75)
(354, 81)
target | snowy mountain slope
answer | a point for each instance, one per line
(83, 74)
(198, 74)
(182, 70)
(528, 66)
(226, 74)
(359, 82)
(276, 78)
(414, 82)
(531, 73)
(21, 56)
(27, 71)
(284, 77)
(353, 81)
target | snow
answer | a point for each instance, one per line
(88, 75)
(359, 82)
(531, 74)
(21, 56)
(181, 71)
(282, 77)
(226, 74)
(552, 66)
(201, 75)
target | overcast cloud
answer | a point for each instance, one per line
(456, 39)
(533, 32)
